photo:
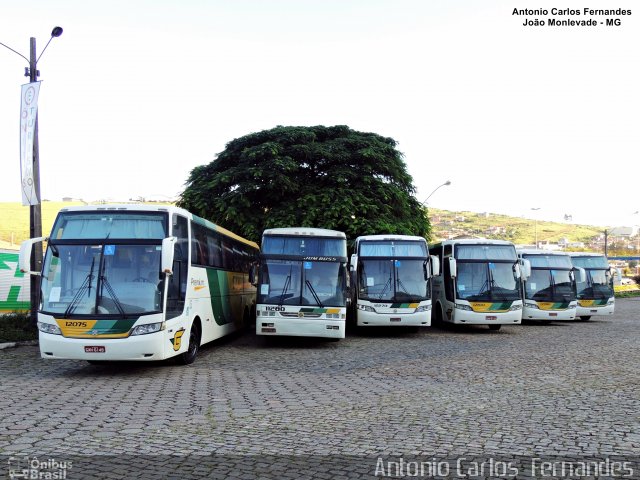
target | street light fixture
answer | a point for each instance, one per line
(536, 226)
(35, 212)
(448, 182)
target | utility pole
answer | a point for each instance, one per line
(35, 211)
(606, 246)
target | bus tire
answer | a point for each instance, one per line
(585, 318)
(494, 327)
(189, 356)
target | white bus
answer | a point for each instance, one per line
(391, 278)
(549, 285)
(479, 284)
(302, 283)
(139, 282)
(595, 292)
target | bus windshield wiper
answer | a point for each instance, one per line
(116, 301)
(313, 292)
(386, 286)
(86, 285)
(285, 289)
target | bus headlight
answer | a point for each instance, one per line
(515, 308)
(611, 301)
(366, 308)
(572, 306)
(423, 308)
(49, 328)
(532, 305)
(145, 329)
(461, 306)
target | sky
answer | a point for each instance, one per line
(136, 93)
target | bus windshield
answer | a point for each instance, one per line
(395, 280)
(99, 279)
(598, 284)
(294, 282)
(486, 273)
(486, 281)
(550, 286)
(550, 278)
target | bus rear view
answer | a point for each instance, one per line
(302, 283)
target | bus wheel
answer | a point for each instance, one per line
(189, 356)
(585, 318)
(494, 327)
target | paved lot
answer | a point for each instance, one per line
(314, 409)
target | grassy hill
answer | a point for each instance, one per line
(515, 229)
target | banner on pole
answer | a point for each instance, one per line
(28, 115)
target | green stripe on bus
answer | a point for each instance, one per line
(106, 327)
(219, 291)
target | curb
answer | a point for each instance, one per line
(4, 346)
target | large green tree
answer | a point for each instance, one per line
(328, 177)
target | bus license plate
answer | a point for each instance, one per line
(491, 317)
(553, 314)
(94, 349)
(396, 319)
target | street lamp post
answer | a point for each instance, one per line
(35, 212)
(638, 246)
(536, 226)
(448, 182)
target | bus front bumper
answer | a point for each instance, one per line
(465, 317)
(300, 328)
(537, 314)
(139, 347)
(409, 319)
(605, 310)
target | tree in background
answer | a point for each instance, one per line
(326, 177)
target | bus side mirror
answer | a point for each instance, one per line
(525, 269)
(353, 263)
(453, 267)
(435, 265)
(580, 274)
(167, 255)
(24, 259)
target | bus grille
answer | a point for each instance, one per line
(300, 315)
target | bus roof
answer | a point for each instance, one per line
(304, 231)
(390, 237)
(171, 209)
(473, 241)
(585, 254)
(533, 251)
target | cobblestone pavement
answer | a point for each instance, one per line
(300, 408)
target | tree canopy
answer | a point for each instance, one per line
(326, 177)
